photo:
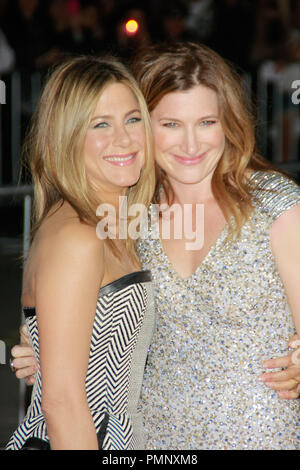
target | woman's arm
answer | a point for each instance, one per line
(285, 244)
(67, 281)
(285, 382)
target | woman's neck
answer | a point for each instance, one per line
(192, 193)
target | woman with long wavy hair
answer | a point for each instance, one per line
(228, 299)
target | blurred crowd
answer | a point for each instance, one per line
(260, 37)
(36, 34)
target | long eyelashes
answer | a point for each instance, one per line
(173, 125)
(104, 124)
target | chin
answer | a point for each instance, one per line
(189, 179)
(127, 182)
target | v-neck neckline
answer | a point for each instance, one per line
(212, 249)
(215, 246)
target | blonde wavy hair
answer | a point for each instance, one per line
(53, 149)
(165, 68)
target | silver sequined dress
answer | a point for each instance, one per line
(214, 329)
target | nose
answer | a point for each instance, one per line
(121, 136)
(189, 143)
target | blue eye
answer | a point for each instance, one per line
(134, 120)
(170, 124)
(101, 125)
(208, 122)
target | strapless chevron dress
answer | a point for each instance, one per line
(121, 335)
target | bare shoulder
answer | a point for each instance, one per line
(63, 235)
(287, 220)
(285, 231)
(64, 248)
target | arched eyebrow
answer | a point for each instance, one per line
(109, 116)
(201, 118)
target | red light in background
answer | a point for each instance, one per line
(131, 27)
(73, 7)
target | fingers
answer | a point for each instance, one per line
(25, 361)
(29, 380)
(294, 339)
(23, 330)
(289, 394)
(286, 361)
(281, 376)
(287, 385)
(21, 351)
(284, 382)
(278, 362)
(24, 335)
(26, 373)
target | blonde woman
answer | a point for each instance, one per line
(232, 301)
(88, 305)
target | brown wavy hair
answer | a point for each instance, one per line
(53, 149)
(165, 68)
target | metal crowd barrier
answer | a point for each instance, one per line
(16, 193)
(22, 92)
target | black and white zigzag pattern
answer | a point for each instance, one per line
(118, 320)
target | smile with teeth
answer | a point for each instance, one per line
(120, 158)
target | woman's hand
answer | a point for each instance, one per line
(287, 381)
(24, 360)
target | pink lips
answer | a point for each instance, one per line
(188, 161)
(122, 159)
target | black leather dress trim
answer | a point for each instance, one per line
(29, 312)
(34, 443)
(124, 281)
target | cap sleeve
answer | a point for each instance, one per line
(273, 192)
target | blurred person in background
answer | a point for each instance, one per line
(173, 23)
(234, 23)
(7, 54)
(271, 29)
(201, 19)
(24, 26)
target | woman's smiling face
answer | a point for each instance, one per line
(189, 139)
(114, 145)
